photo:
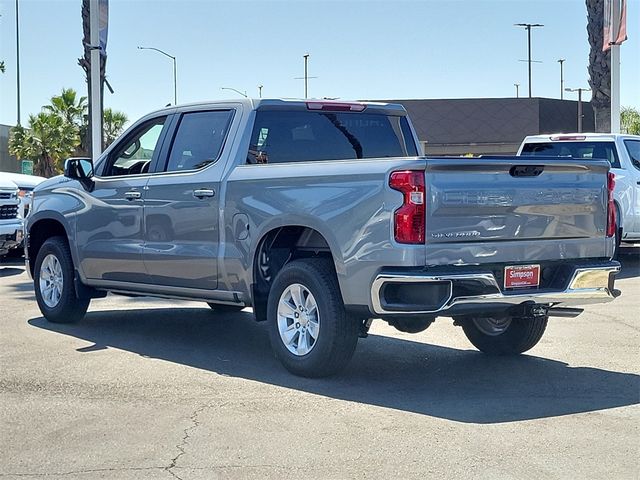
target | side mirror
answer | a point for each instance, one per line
(78, 168)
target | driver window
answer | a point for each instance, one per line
(134, 157)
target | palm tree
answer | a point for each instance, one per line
(599, 66)
(113, 123)
(67, 105)
(48, 140)
(1, 66)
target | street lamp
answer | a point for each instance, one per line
(561, 62)
(175, 77)
(517, 85)
(260, 91)
(306, 75)
(244, 94)
(528, 27)
(579, 90)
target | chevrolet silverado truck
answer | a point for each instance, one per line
(11, 226)
(321, 216)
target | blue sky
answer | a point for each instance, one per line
(359, 49)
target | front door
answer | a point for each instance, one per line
(110, 227)
(181, 204)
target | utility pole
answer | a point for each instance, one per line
(615, 67)
(517, 85)
(96, 100)
(528, 27)
(306, 76)
(561, 62)
(579, 90)
(18, 62)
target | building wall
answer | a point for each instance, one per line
(8, 163)
(485, 126)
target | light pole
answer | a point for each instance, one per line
(18, 62)
(260, 91)
(561, 62)
(517, 85)
(528, 27)
(306, 75)
(175, 70)
(579, 90)
(244, 94)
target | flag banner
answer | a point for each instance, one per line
(609, 37)
(103, 24)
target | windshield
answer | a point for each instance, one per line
(583, 150)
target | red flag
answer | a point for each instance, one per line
(609, 37)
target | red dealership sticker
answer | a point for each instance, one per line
(521, 276)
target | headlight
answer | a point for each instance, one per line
(15, 194)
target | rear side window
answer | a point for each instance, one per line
(583, 150)
(199, 140)
(633, 147)
(299, 136)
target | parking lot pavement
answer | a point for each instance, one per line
(163, 389)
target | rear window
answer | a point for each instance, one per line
(301, 136)
(583, 150)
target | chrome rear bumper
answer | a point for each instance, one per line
(587, 285)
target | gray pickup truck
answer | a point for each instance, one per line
(321, 216)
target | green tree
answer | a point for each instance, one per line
(48, 140)
(113, 124)
(69, 106)
(630, 120)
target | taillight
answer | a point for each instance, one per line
(409, 219)
(336, 106)
(611, 207)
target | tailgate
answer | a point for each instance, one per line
(513, 209)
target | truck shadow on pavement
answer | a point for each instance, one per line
(629, 258)
(459, 385)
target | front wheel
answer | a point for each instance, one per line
(53, 276)
(310, 331)
(504, 335)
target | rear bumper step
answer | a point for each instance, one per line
(448, 294)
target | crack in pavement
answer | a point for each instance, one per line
(79, 472)
(181, 447)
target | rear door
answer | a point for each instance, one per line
(110, 226)
(181, 213)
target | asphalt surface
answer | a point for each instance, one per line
(161, 389)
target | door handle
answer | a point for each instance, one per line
(203, 193)
(132, 195)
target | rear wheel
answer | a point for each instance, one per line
(310, 331)
(53, 278)
(222, 308)
(504, 335)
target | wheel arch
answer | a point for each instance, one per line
(42, 227)
(277, 246)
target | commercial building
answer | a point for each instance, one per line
(490, 125)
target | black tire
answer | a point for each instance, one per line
(219, 307)
(338, 332)
(519, 336)
(69, 308)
